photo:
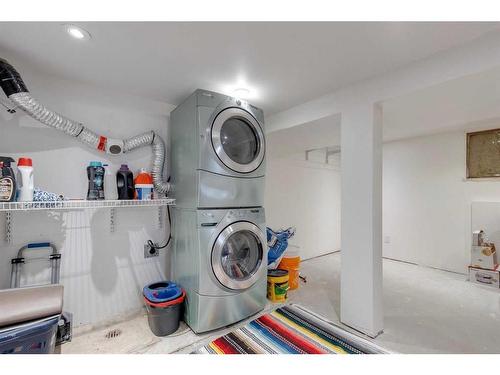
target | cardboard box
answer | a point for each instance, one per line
(489, 278)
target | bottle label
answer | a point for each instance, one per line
(6, 189)
(144, 192)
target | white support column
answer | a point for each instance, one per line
(361, 247)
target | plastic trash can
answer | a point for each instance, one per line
(164, 304)
(162, 291)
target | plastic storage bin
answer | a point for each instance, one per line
(38, 337)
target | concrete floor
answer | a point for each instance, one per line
(426, 311)
(136, 337)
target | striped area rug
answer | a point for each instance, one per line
(287, 330)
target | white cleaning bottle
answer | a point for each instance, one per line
(25, 180)
(110, 190)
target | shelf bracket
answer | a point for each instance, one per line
(160, 217)
(8, 227)
(112, 219)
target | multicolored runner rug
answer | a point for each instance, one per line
(288, 330)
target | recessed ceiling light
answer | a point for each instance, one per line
(241, 93)
(77, 32)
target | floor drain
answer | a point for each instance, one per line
(113, 333)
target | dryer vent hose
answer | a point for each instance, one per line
(13, 86)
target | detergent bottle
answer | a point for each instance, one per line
(25, 183)
(110, 191)
(125, 183)
(7, 180)
(95, 174)
(143, 185)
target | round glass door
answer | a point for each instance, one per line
(238, 140)
(237, 255)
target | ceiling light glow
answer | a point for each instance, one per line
(77, 32)
(240, 88)
(242, 93)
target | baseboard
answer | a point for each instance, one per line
(393, 260)
(320, 256)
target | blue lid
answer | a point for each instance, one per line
(162, 291)
(95, 164)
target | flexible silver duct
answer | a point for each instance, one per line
(50, 118)
(38, 111)
(151, 138)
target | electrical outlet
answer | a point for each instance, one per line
(387, 239)
(150, 252)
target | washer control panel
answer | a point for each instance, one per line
(210, 218)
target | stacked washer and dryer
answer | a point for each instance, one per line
(219, 252)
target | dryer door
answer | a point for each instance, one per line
(238, 255)
(238, 140)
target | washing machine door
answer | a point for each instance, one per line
(238, 140)
(238, 255)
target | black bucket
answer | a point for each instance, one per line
(164, 318)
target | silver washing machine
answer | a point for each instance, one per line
(220, 258)
(218, 152)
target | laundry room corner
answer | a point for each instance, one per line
(98, 266)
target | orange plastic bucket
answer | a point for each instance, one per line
(292, 265)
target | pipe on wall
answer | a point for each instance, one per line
(15, 89)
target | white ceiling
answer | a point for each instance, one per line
(324, 132)
(286, 63)
(467, 103)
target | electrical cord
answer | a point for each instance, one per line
(157, 247)
(151, 244)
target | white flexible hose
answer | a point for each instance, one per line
(39, 112)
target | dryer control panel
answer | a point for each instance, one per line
(210, 218)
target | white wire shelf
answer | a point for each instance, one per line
(82, 204)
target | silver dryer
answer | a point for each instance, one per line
(218, 152)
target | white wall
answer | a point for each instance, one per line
(305, 195)
(103, 273)
(427, 201)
